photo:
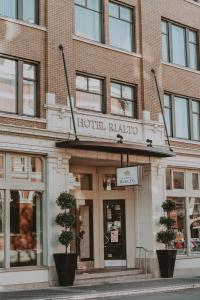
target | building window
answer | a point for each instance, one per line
(121, 26)
(122, 100)
(84, 182)
(182, 116)
(89, 93)
(88, 19)
(179, 45)
(24, 10)
(19, 87)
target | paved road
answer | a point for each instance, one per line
(193, 294)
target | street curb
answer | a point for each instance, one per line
(166, 289)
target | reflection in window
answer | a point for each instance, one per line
(194, 214)
(29, 89)
(84, 181)
(181, 118)
(120, 26)
(178, 178)
(179, 216)
(25, 228)
(110, 182)
(19, 167)
(88, 19)
(36, 169)
(2, 224)
(89, 93)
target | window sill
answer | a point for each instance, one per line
(181, 67)
(87, 41)
(25, 118)
(193, 2)
(15, 21)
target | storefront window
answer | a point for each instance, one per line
(194, 221)
(19, 166)
(84, 181)
(1, 167)
(179, 216)
(178, 179)
(110, 182)
(36, 169)
(1, 229)
(168, 179)
(25, 228)
(195, 181)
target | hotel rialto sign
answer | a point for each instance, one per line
(128, 176)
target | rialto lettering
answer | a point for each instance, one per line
(110, 126)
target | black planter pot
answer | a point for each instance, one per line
(166, 259)
(66, 266)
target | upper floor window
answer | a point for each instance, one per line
(24, 10)
(18, 85)
(122, 99)
(179, 45)
(89, 93)
(121, 26)
(88, 19)
(182, 116)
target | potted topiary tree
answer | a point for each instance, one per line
(167, 256)
(66, 262)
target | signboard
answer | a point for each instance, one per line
(128, 176)
(114, 236)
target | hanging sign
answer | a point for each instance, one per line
(129, 176)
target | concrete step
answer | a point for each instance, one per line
(92, 278)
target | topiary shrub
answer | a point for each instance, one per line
(66, 219)
(167, 235)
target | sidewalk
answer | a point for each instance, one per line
(104, 290)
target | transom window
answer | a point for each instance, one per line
(182, 117)
(122, 99)
(19, 87)
(89, 93)
(25, 10)
(121, 26)
(179, 45)
(88, 19)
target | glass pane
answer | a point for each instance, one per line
(94, 4)
(29, 13)
(29, 71)
(165, 48)
(2, 228)
(178, 178)
(168, 179)
(25, 228)
(114, 10)
(195, 106)
(194, 214)
(84, 181)
(116, 90)
(95, 86)
(167, 114)
(110, 182)
(19, 167)
(120, 34)
(164, 27)
(8, 8)
(125, 13)
(7, 85)
(178, 45)
(196, 126)
(1, 167)
(29, 88)
(127, 92)
(89, 101)
(88, 23)
(181, 118)
(192, 56)
(179, 215)
(81, 2)
(122, 107)
(192, 37)
(36, 169)
(195, 181)
(81, 83)
(167, 101)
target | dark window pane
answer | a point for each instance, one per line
(29, 13)
(120, 34)
(29, 97)
(88, 23)
(181, 118)
(178, 45)
(195, 181)
(168, 179)
(194, 214)
(85, 181)
(8, 8)
(7, 85)
(178, 178)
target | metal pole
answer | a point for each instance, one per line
(154, 73)
(68, 90)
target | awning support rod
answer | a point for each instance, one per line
(156, 82)
(68, 90)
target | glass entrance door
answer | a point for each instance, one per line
(114, 230)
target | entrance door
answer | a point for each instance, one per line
(114, 233)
